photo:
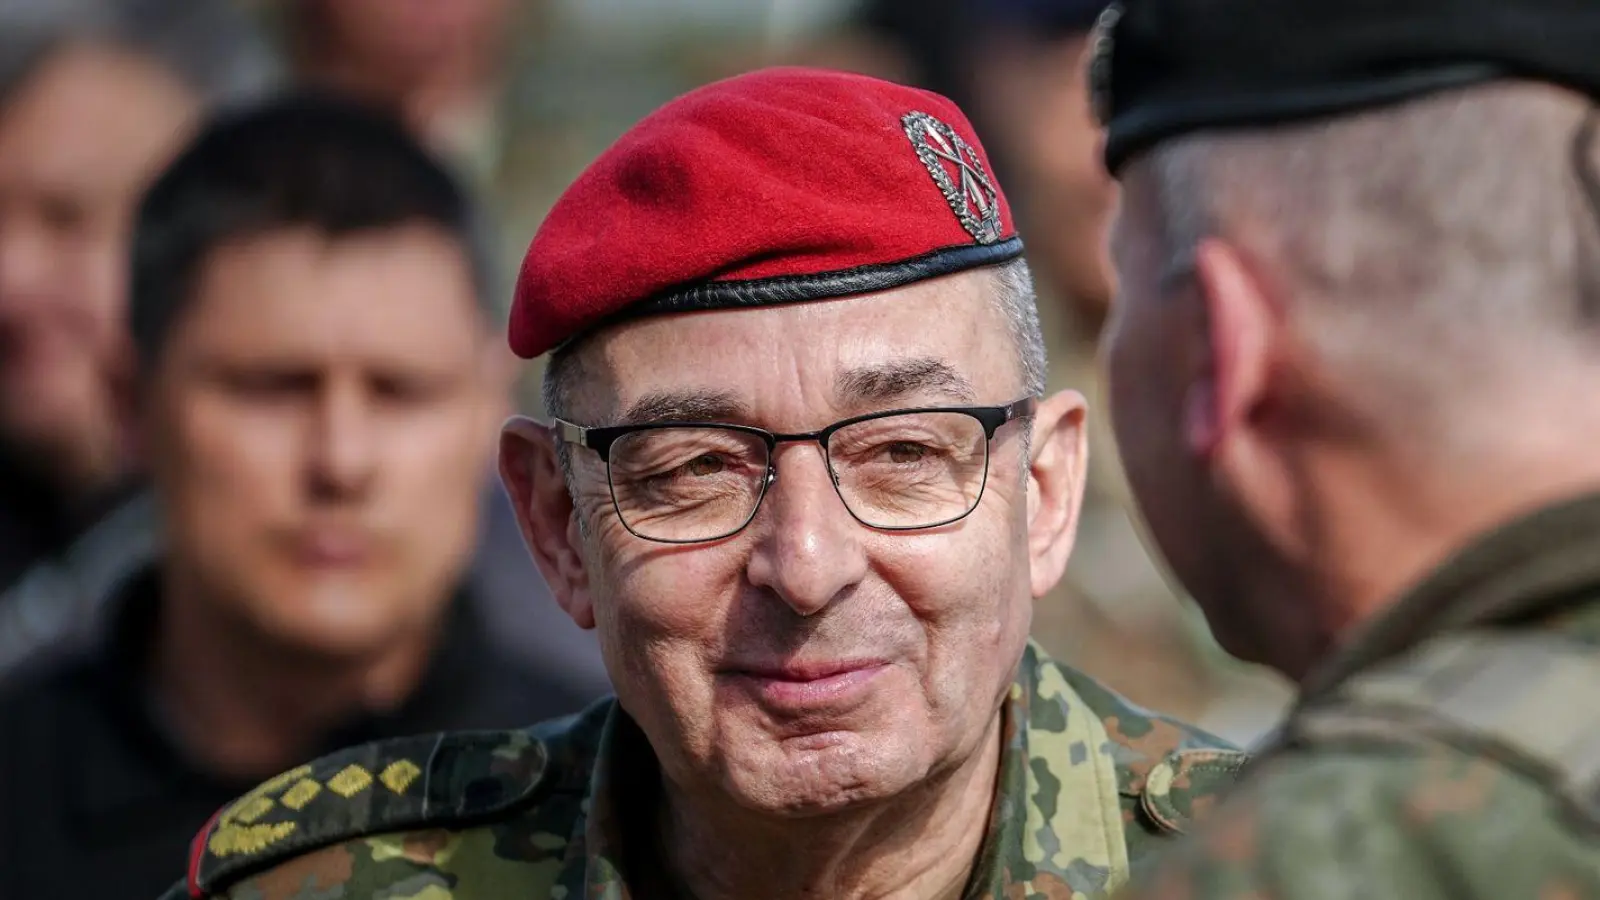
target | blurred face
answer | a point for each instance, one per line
(809, 662)
(1036, 95)
(403, 36)
(319, 426)
(78, 142)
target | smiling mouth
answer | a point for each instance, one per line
(810, 687)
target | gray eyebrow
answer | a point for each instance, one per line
(872, 385)
(888, 382)
(695, 406)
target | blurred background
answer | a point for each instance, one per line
(516, 96)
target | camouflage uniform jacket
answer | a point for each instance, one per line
(1451, 750)
(1087, 785)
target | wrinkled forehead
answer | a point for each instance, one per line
(942, 342)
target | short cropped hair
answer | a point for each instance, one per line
(302, 160)
(1433, 250)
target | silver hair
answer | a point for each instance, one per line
(1450, 227)
(1019, 303)
(212, 47)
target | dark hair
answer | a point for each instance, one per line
(300, 160)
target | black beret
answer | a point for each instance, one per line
(1046, 18)
(1163, 68)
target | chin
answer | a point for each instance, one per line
(342, 644)
(335, 624)
(823, 774)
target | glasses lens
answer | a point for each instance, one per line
(911, 471)
(687, 484)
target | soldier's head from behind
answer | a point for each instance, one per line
(1347, 342)
(94, 99)
(799, 624)
(319, 386)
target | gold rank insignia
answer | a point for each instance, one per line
(404, 783)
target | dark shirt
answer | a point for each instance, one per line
(37, 522)
(97, 800)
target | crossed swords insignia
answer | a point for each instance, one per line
(974, 199)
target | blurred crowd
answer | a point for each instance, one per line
(230, 540)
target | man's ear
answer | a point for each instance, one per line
(531, 473)
(1231, 387)
(1058, 465)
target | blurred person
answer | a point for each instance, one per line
(1027, 61)
(456, 73)
(441, 67)
(316, 403)
(55, 606)
(94, 99)
(819, 638)
(95, 96)
(1353, 372)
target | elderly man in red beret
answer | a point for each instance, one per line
(802, 483)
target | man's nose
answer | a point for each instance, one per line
(343, 440)
(810, 550)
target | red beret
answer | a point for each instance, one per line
(782, 185)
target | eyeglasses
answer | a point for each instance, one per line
(901, 470)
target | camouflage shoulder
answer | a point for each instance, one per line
(1168, 772)
(1503, 694)
(1428, 823)
(421, 792)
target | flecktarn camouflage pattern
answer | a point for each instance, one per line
(1451, 751)
(1089, 785)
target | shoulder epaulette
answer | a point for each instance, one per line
(1184, 782)
(429, 781)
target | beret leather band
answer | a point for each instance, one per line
(780, 289)
(1160, 69)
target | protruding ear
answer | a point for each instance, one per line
(1234, 408)
(1056, 472)
(1231, 384)
(531, 472)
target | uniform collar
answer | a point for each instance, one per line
(1531, 569)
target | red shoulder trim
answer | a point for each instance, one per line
(197, 852)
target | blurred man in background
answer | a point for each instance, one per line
(94, 99)
(440, 67)
(456, 73)
(317, 402)
(54, 606)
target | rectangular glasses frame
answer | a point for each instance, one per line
(601, 439)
